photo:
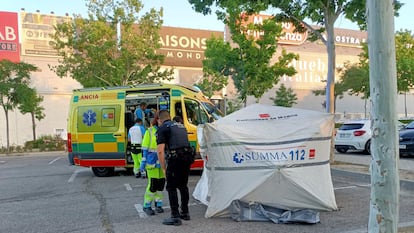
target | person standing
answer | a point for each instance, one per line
(155, 175)
(175, 156)
(135, 134)
(141, 113)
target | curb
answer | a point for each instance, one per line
(406, 184)
(34, 153)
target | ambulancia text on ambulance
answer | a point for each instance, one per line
(99, 119)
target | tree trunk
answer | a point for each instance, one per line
(6, 113)
(33, 125)
(330, 82)
(385, 187)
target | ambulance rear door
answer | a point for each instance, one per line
(100, 138)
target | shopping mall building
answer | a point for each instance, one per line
(25, 37)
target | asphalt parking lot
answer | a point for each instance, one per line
(42, 193)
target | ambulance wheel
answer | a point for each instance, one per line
(103, 171)
(129, 170)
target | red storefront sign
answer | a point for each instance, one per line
(9, 37)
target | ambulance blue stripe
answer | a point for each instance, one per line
(176, 92)
(121, 95)
(101, 155)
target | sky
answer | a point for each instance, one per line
(177, 13)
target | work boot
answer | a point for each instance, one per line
(149, 211)
(138, 175)
(176, 221)
(159, 209)
(185, 216)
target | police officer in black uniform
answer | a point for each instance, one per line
(175, 156)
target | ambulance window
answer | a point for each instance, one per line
(213, 110)
(195, 112)
(98, 118)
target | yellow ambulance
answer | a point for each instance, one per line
(99, 119)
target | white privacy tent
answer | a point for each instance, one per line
(271, 155)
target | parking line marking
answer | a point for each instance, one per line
(140, 211)
(189, 204)
(73, 176)
(345, 187)
(352, 186)
(54, 160)
(128, 187)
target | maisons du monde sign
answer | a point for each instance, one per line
(183, 47)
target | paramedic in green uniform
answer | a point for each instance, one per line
(155, 175)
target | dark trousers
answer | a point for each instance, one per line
(177, 178)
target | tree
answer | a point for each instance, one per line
(248, 62)
(355, 77)
(13, 76)
(354, 81)
(339, 93)
(323, 13)
(404, 42)
(284, 97)
(215, 68)
(30, 103)
(233, 105)
(385, 182)
(113, 46)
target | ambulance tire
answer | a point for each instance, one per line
(103, 171)
(129, 170)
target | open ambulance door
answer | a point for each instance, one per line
(193, 114)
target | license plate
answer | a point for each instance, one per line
(344, 135)
(403, 147)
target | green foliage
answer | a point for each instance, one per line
(321, 13)
(46, 143)
(215, 67)
(296, 11)
(253, 73)
(355, 77)
(404, 48)
(13, 78)
(354, 81)
(233, 105)
(249, 61)
(92, 54)
(30, 103)
(285, 97)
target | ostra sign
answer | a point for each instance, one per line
(288, 35)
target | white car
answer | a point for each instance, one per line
(354, 135)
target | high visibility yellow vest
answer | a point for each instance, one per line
(149, 142)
